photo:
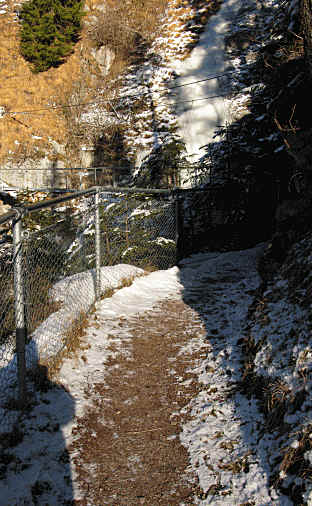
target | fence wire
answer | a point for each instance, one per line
(57, 278)
(215, 219)
(59, 274)
(137, 229)
(8, 379)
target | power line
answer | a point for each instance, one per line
(202, 80)
(209, 78)
(34, 111)
(203, 98)
(64, 106)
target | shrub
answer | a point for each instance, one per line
(124, 25)
(49, 30)
(163, 166)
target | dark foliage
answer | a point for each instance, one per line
(49, 30)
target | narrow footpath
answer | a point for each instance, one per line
(134, 421)
(167, 423)
(149, 409)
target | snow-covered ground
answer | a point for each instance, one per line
(182, 98)
(75, 294)
(223, 436)
(199, 117)
(228, 449)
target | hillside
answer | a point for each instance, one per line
(160, 96)
(48, 118)
(188, 385)
(29, 135)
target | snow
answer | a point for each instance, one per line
(48, 339)
(142, 295)
(199, 120)
(187, 112)
(223, 425)
(151, 79)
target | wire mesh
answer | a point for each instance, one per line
(215, 218)
(137, 229)
(59, 286)
(8, 371)
(59, 273)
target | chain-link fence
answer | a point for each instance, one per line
(57, 258)
(138, 229)
(219, 218)
(7, 328)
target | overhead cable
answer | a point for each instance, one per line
(70, 106)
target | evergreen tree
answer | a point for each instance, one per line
(49, 30)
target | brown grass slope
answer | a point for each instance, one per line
(40, 101)
(21, 90)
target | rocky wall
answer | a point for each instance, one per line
(32, 178)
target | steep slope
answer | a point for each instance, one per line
(128, 100)
(277, 367)
(198, 115)
(47, 118)
(39, 111)
(29, 134)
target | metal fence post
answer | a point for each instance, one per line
(179, 226)
(97, 246)
(20, 323)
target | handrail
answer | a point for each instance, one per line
(151, 191)
(80, 193)
(58, 200)
(42, 205)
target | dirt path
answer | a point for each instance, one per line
(127, 448)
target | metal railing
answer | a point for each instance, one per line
(56, 261)
(57, 257)
(217, 217)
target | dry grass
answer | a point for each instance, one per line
(128, 27)
(124, 26)
(150, 268)
(24, 91)
(276, 398)
(237, 466)
(294, 463)
(74, 344)
(109, 292)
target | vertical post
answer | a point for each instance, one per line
(19, 301)
(97, 246)
(127, 223)
(114, 178)
(178, 226)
